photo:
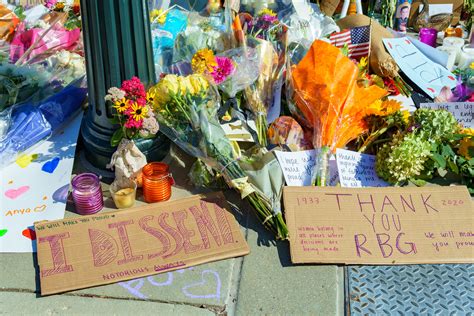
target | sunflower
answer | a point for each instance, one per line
(138, 112)
(122, 105)
(466, 143)
(203, 61)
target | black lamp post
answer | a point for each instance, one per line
(118, 46)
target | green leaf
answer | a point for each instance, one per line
(439, 160)
(454, 168)
(447, 151)
(114, 120)
(418, 182)
(116, 137)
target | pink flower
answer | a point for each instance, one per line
(50, 3)
(225, 67)
(134, 89)
(131, 123)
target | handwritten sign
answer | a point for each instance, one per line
(299, 166)
(93, 250)
(429, 76)
(357, 170)
(462, 111)
(36, 187)
(380, 225)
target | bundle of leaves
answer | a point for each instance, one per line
(432, 146)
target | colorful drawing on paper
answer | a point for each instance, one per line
(35, 188)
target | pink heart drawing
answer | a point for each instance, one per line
(14, 193)
(209, 279)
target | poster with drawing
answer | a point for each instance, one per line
(35, 188)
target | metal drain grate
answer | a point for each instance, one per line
(411, 290)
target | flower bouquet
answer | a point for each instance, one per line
(186, 108)
(432, 145)
(332, 103)
(136, 119)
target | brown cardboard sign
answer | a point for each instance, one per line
(86, 251)
(380, 225)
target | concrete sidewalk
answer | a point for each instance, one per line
(263, 282)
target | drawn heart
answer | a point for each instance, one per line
(452, 78)
(24, 160)
(14, 193)
(29, 233)
(50, 166)
(209, 279)
(390, 45)
(60, 195)
(431, 89)
(3, 232)
(407, 41)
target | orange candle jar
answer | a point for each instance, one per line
(157, 182)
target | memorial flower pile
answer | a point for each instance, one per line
(281, 77)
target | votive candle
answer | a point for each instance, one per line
(428, 36)
(157, 181)
(87, 193)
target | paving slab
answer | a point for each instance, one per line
(271, 285)
(18, 303)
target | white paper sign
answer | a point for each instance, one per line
(429, 76)
(35, 188)
(462, 111)
(357, 170)
(434, 9)
(298, 167)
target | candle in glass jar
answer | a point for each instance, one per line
(466, 57)
(455, 42)
(428, 36)
(87, 193)
(157, 181)
(124, 193)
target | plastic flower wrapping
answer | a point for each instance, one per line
(329, 100)
(186, 108)
(42, 72)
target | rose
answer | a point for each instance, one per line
(167, 87)
(199, 83)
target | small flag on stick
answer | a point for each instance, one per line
(357, 40)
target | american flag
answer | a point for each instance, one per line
(357, 40)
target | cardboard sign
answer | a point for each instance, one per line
(299, 166)
(357, 170)
(380, 225)
(462, 111)
(93, 250)
(429, 76)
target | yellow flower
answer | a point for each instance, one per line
(363, 63)
(186, 86)
(59, 6)
(199, 83)
(471, 65)
(466, 143)
(138, 112)
(158, 16)
(150, 96)
(266, 11)
(164, 89)
(406, 116)
(121, 105)
(383, 108)
(203, 61)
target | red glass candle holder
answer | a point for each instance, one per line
(157, 182)
(87, 193)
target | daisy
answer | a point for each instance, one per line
(138, 112)
(121, 105)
